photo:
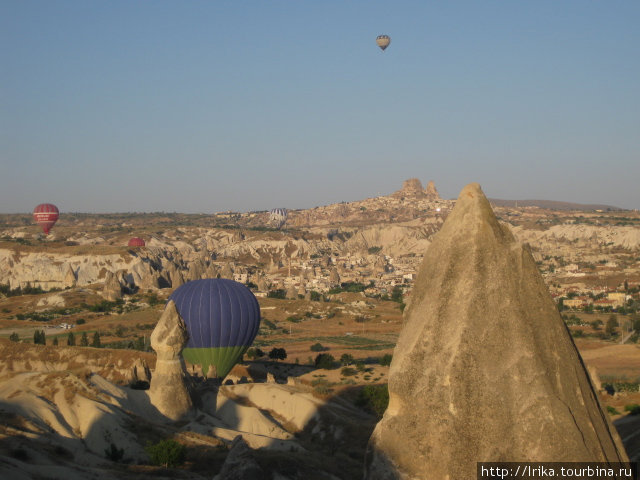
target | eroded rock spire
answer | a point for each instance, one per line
(484, 368)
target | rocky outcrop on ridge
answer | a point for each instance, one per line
(431, 191)
(410, 188)
(484, 368)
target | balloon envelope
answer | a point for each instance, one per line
(383, 41)
(222, 318)
(46, 215)
(278, 216)
(136, 242)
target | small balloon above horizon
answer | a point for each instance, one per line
(383, 41)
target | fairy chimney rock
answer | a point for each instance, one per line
(168, 391)
(112, 289)
(484, 368)
(431, 191)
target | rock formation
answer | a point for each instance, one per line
(484, 368)
(69, 277)
(410, 188)
(334, 277)
(431, 191)
(227, 271)
(112, 290)
(291, 293)
(240, 463)
(169, 392)
(197, 270)
(175, 276)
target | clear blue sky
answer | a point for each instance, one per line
(204, 106)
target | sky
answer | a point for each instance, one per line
(206, 106)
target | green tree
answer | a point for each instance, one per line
(374, 398)
(612, 323)
(278, 354)
(39, 337)
(55, 341)
(71, 339)
(139, 344)
(84, 340)
(254, 353)
(318, 347)
(167, 453)
(325, 361)
(385, 360)
(96, 340)
(14, 337)
(346, 359)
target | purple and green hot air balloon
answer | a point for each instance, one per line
(222, 317)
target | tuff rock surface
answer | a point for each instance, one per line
(484, 368)
(169, 391)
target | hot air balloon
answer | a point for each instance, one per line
(383, 41)
(46, 215)
(278, 216)
(136, 242)
(222, 318)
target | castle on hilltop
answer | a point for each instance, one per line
(413, 188)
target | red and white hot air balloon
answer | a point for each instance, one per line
(136, 242)
(46, 215)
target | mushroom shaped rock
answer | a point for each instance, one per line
(484, 368)
(169, 391)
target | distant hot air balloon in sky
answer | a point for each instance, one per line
(222, 318)
(383, 41)
(136, 242)
(278, 216)
(46, 215)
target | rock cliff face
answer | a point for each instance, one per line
(484, 368)
(168, 391)
(411, 188)
(431, 191)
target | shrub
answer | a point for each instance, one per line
(278, 354)
(71, 339)
(279, 293)
(318, 347)
(269, 324)
(374, 398)
(315, 296)
(385, 360)
(254, 353)
(81, 321)
(346, 359)
(325, 360)
(632, 408)
(348, 371)
(84, 340)
(14, 337)
(168, 453)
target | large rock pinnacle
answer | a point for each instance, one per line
(168, 391)
(484, 368)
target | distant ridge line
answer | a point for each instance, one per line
(551, 204)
